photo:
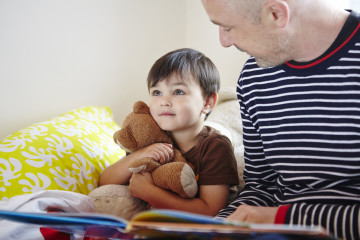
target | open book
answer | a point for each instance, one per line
(168, 224)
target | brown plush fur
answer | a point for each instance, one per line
(140, 130)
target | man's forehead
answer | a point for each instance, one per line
(220, 12)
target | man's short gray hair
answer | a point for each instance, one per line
(249, 8)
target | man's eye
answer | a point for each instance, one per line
(227, 29)
(156, 93)
(179, 92)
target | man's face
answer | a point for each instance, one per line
(267, 44)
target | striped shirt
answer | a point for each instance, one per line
(301, 133)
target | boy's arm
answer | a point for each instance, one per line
(118, 173)
(211, 199)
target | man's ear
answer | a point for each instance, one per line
(277, 12)
(210, 103)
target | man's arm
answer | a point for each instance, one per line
(260, 178)
(340, 220)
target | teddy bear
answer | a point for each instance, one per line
(139, 130)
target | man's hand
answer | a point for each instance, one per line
(254, 214)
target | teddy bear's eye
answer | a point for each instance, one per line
(179, 92)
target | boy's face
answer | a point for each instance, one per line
(176, 104)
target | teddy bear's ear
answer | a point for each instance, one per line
(141, 108)
(125, 139)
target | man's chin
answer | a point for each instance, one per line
(241, 50)
(263, 63)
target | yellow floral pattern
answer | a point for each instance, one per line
(67, 152)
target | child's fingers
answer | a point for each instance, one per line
(165, 152)
(160, 152)
(170, 152)
(168, 145)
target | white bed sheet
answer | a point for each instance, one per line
(40, 202)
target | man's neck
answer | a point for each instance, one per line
(318, 34)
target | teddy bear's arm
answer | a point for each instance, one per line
(178, 177)
(146, 164)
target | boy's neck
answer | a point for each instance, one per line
(185, 140)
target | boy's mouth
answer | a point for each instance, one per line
(165, 114)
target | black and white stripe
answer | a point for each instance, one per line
(302, 140)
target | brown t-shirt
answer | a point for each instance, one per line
(213, 158)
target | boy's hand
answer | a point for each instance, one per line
(140, 183)
(161, 152)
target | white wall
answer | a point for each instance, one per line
(347, 4)
(204, 36)
(354, 4)
(62, 54)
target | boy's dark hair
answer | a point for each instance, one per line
(186, 61)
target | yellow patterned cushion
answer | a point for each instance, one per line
(67, 152)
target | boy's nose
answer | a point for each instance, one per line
(165, 102)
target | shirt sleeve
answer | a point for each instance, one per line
(341, 220)
(281, 214)
(260, 178)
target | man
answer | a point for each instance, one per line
(299, 96)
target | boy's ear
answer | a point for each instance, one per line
(277, 12)
(210, 103)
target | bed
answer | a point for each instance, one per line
(56, 163)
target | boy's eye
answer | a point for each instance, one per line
(156, 93)
(179, 92)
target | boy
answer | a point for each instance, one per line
(183, 86)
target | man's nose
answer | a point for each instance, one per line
(225, 38)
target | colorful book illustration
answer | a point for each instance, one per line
(166, 224)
